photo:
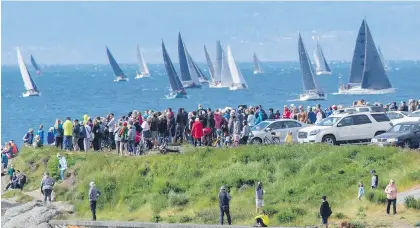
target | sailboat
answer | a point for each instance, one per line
(382, 59)
(367, 74)
(226, 76)
(217, 74)
(189, 76)
(237, 77)
(322, 66)
(312, 92)
(257, 67)
(120, 77)
(144, 70)
(177, 89)
(209, 65)
(201, 77)
(30, 86)
(37, 68)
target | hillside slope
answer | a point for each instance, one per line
(184, 187)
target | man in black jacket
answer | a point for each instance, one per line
(224, 199)
(180, 125)
(325, 211)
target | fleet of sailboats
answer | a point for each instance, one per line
(30, 86)
(144, 70)
(367, 73)
(257, 67)
(322, 66)
(311, 90)
(119, 74)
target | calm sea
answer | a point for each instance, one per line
(75, 90)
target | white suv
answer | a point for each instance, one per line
(355, 128)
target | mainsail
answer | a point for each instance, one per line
(322, 66)
(198, 70)
(374, 75)
(143, 67)
(257, 67)
(188, 73)
(115, 67)
(237, 77)
(174, 81)
(309, 83)
(27, 79)
(226, 77)
(209, 63)
(38, 70)
(358, 62)
(218, 65)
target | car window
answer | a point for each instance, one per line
(380, 117)
(393, 115)
(260, 126)
(414, 114)
(329, 121)
(291, 124)
(361, 119)
(276, 125)
(416, 127)
(347, 121)
(401, 128)
(364, 109)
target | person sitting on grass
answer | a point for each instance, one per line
(262, 220)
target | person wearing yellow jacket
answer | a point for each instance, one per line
(68, 133)
(262, 220)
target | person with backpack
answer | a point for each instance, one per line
(21, 180)
(124, 138)
(325, 211)
(93, 198)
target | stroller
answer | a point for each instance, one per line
(163, 148)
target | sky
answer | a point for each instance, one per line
(77, 32)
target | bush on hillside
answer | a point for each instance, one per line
(177, 199)
(285, 217)
(376, 197)
(411, 202)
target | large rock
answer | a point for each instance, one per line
(29, 215)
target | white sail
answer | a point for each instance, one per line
(143, 66)
(27, 80)
(322, 66)
(226, 77)
(257, 67)
(191, 68)
(237, 77)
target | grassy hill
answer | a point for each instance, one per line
(184, 187)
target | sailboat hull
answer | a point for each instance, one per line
(201, 80)
(312, 96)
(30, 93)
(121, 79)
(176, 95)
(238, 87)
(356, 90)
(216, 85)
(258, 71)
(191, 85)
(323, 73)
(142, 75)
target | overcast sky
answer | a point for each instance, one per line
(77, 32)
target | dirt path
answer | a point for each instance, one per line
(415, 191)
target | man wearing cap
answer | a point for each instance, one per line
(224, 199)
(62, 165)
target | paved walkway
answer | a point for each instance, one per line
(413, 192)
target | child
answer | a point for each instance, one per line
(11, 171)
(375, 179)
(261, 220)
(289, 138)
(361, 190)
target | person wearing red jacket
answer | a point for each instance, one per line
(286, 113)
(197, 131)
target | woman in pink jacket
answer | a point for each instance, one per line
(391, 195)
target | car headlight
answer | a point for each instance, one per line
(314, 132)
(392, 140)
(374, 140)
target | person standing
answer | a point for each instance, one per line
(391, 195)
(4, 162)
(123, 134)
(259, 193)
(111, 128)
(361, 191)
(47, 185)
(58, 134)
(197, 132)
(325, 211)
(21, 180)
(375, 179)
(76, 135)
(224, 199)
(68, 132)
(93, 197)
(10, 172)
(83, 136)
(41, 134)
(131, 136)
(62, 165)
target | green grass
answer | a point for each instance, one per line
(17, 195)
(184, 187)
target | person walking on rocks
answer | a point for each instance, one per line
(93, 197)
(224, 199)
(47, 185)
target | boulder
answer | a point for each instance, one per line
(30, 214)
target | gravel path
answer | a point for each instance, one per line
(413, 192)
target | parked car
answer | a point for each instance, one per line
(342, 128)
(397, 117)
(280, 127)
(404, 134)
(362, 108)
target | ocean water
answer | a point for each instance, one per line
(75, 90)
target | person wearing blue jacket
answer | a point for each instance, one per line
(41, 134)
(259, 116)
(4, 162)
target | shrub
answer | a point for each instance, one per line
(411, 202)
(156, 218)
(357, 224)
(376, 197)
(285, 217)
(298, 211)
(270, 211)
(177, 199)
(340, 215)
(185, 219)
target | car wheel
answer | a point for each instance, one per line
(256, 141)
(329, 139)
(407, 144)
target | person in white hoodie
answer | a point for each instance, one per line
(251, 118)
(111, 128)
(117, 137)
